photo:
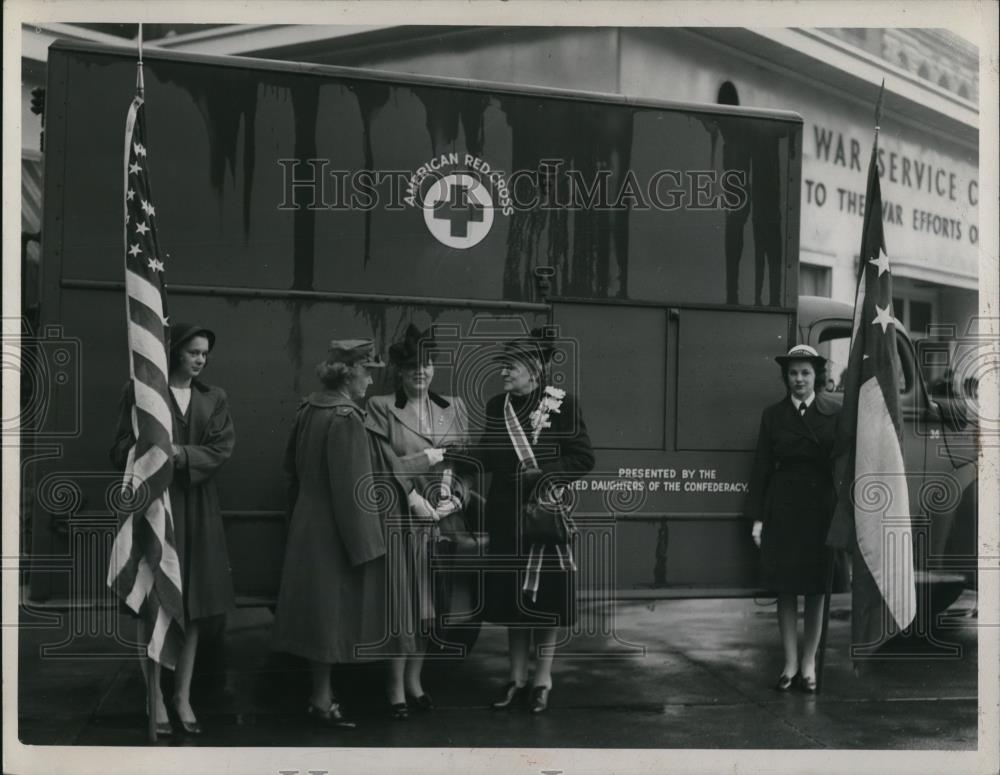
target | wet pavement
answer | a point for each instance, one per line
(682, 673)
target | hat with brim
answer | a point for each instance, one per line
(801, 352)
(415, 347)
(354, 352)
(184, 332)
(536, 347)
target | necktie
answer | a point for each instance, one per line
(802, 409)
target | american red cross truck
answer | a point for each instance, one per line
(299, 203)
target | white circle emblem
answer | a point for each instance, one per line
(458, 210)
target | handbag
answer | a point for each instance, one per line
(548, 522)
(453, 536)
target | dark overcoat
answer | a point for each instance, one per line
(331, 602)
(206, 437)
(562, 450)
(792, 493)
(403, 437)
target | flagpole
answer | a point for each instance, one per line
(152, 674)
(830, 551)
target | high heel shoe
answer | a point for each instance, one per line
(331, 717)
(512, 695)
(807, 684)
(539, 699)
(163, 728)
(399, 712)
(422, 703)
(786, 682)
(189, 727)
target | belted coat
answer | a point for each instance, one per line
(331, 604)
(792, 493)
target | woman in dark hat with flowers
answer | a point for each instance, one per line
(203, 439)
(535, 443)
(791, 502)
(332, 597)
(413, 425)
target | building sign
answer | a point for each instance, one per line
(930, 197)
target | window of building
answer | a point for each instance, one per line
(943, 82)
(924, 71)
(728, 94)
(963, 91)
(815, 280)
(903, 61)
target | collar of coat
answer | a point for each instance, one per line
(326, 399)
(401, 399)
(825, 405)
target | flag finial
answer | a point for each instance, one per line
(139, 85)
(878, 105)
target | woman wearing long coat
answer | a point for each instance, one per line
(412, 426)
(791, 501)
(529, 588)
(203, 438)
(332, 597)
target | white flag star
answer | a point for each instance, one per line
(882, 262)
(139, 150)
(126, 218)
(142, 228)
(148, 208)
(135, 250)
(156, 265)
(134, 168)
(130, 195)
(883, 318)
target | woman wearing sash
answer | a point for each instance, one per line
(535, 443)
(412, 425)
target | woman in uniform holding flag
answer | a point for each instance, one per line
(791, 502)
(203, 439)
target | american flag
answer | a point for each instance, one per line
(873, 504)
(145, 570)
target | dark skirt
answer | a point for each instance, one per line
(507, 602)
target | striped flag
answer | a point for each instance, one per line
(873, 504)
(145, 570)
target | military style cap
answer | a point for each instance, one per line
(801, 352)
(182, 332)
(353, 352)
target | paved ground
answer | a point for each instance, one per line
(696, 675)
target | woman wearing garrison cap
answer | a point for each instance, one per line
(332, 597)
(791, 502)
(203, 439)
(412, 426)
(535, 443)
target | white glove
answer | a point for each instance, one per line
(420, 506)
(434, 456)
(758, 527)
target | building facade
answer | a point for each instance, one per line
(928, 141)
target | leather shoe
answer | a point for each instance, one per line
(399, 712)
(785, 682)
(332, 717)
(807, 684)
(539, 699)
(421, 703)
(512, 695)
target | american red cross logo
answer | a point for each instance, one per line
(459, 210)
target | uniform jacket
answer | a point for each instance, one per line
(792, 468)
